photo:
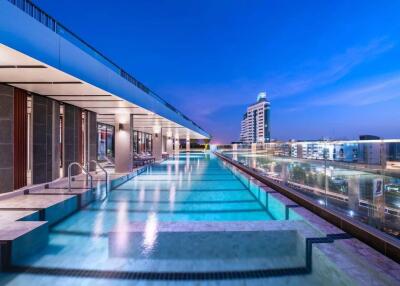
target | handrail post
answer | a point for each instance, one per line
(84, 170)
(105, 172)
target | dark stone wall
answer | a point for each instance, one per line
(72, 134)
(42, 129)
(6, 139)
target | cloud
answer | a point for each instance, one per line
(367, 92)
(305, 78)
(317, 73)
(204, 102)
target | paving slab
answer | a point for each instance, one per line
(29, 202)
(10, 231)
(85, 196)
(59, 191)
(52, 208)
(15, 215)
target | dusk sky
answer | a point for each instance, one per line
(330, 68)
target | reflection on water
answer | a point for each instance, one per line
(150, 234)
(172, 193)
(368, 196)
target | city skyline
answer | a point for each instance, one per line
(212, 55)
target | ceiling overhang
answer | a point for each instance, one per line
(22, 71)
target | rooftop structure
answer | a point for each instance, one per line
(99, 184)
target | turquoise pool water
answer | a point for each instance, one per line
(189, 188)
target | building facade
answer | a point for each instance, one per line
(63, 103)
(255, 125)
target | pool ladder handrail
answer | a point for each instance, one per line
(84, 170)
(104, 170)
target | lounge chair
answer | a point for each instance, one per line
(138, 161)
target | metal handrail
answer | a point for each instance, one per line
(83, 170)
(104, 170)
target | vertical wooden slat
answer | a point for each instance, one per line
(79, 133)
(20, 138)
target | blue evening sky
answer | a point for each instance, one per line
(330, 68)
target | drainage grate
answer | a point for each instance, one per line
(127, 275)
(184, 276)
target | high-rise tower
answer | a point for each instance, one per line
(255, 126)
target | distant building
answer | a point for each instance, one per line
(255, 125)
(369, 137)
(394, 152)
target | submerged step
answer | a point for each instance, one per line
(210, 246)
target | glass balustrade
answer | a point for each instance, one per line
(360, 179)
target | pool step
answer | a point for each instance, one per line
(25, 219)
(51, 208)
(84, 196)
(20, 239)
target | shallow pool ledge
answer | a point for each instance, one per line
(381, 242)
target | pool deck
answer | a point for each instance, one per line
(17, 215)
(33, 202)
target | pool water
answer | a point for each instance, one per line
(122, 233)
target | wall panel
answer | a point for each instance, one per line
(56, 146)
(91, 131)
(6, 139)
(20, 138)
(42, 161)
(72, 147)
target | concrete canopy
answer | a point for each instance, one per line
(57, 64)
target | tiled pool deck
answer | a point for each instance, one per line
(197, 232)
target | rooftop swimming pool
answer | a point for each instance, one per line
(190, 220)
(344, 187)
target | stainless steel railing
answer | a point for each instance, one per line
(84, 170)
(105, 172)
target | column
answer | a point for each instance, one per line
(20, 138)
(72, 139)
(91, 139)
(42, 139)
(188, 144)
(235, 154)
(55, 145)
(6, 139)
(123, 143)
(234, 147)
(176, 144)
(157, 146)
(169, 144)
